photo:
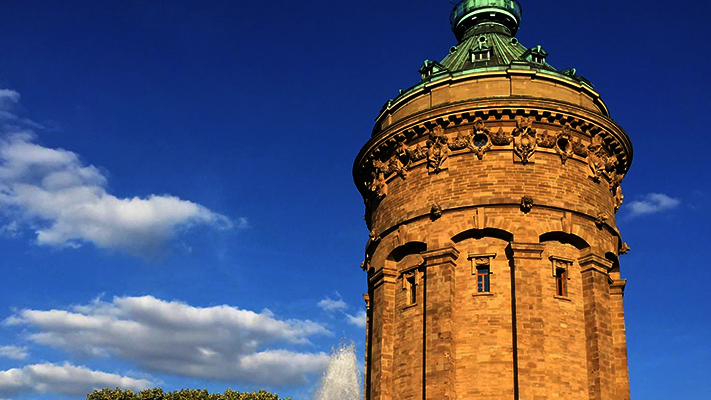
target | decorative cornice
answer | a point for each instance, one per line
(383, 276)
(596, 263)
(445, 255)
(618, 286)
(386, 159)
(531, 251)
(465, 112)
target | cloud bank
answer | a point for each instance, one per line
(66, 203)
(65, 379)
(652, 203)
(13, 352)
(218, 343)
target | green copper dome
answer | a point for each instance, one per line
(468, 14)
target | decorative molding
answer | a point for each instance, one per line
(524, 139)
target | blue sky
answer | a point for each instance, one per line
(176, 200)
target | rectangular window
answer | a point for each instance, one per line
(483, 274)
(560, 282)
(412, 289)
(481, 270)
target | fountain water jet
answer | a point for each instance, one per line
(342, 379)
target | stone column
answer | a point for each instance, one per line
(529, 326)
(598, 326)
(438, 380)
(619, 339)
(382, 310)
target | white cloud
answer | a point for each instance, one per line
(358, 320)
(9, 95)
(330, 305)
(65, 379)
(66, 203)
(13, 352)
(220, 342)
(652, 203)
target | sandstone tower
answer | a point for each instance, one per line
(491, 188)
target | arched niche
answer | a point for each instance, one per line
(482, 233)
(565, 238)
(407, 249)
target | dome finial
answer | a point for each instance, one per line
(470, 13)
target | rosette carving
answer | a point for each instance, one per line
(563, 144)
(478, 141)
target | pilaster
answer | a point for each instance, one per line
(529, 321)
(598, 326)
(438, 347)
(619, 339)
(382, 284)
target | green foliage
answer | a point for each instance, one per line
(185, 394)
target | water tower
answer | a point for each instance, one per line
(491, 187)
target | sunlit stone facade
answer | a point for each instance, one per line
(491, 188)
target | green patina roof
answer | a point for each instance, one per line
(504, 49)
(488, 26)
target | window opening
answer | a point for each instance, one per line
(483, 281)
(409, 285)
(561, 274)
(560, 282)
(481, 269)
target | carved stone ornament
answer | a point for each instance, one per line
(600, 220)
(546, 140)
(399, 161)
(524, 139)
(378, 185)
(618, 198)
(435, 211)
(437, 150)
(600, 161)
(478, 141)
(526, 204)
(564, 144)
(579, 148)
(500, 138)
(373, 236)
(625, 248)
